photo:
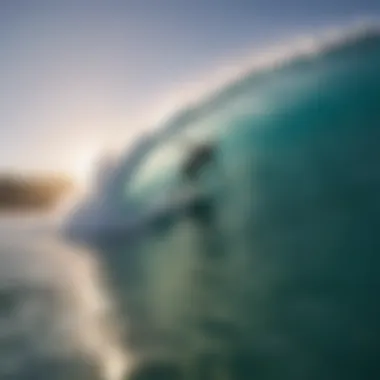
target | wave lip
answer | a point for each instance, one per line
(184, 102)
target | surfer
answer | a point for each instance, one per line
(201, 156)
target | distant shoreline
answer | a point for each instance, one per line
(32, 194)
(4, 211)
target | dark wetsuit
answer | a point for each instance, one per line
(201, 156)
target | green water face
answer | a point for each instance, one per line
(279, 277)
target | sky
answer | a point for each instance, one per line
(78, 77)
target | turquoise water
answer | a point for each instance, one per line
(279, 278)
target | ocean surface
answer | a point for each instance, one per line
(56, 319)
(276, 277)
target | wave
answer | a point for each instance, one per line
(313, 195)
(257, 73)
(252, 73)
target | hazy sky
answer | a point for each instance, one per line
(77, 76)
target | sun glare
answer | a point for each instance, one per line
(83, 167)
